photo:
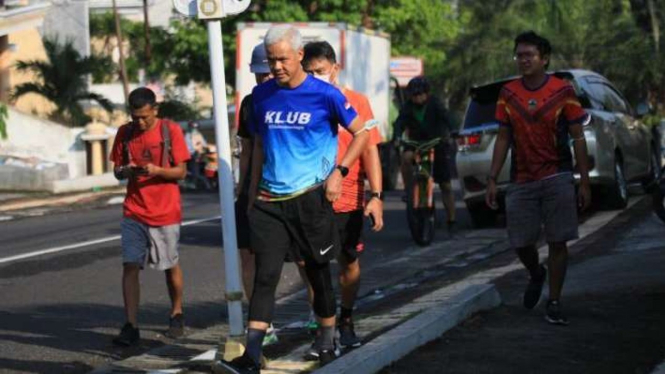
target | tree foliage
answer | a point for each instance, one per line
(462, 42)
(63, 80)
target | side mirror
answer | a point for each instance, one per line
(642, 109)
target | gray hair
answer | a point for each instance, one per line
(284, 32)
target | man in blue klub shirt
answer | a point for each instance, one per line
(302, 118)
(294, 182)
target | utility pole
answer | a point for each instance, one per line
(655, 27)
(212, 11)
(123, 70)
(146, 31)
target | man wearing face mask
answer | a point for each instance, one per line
(423, 118)
(321, 62)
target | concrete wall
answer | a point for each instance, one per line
(29, 136)
(29, 46)
(160, 12)
(69, 20)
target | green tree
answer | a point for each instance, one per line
(3, 121)
(63, 80)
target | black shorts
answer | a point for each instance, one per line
(350, 227)
(242, 222)
(303, 226)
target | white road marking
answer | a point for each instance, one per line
(116, 200)
(86, 244)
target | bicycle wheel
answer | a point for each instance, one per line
(421, 219)
(426, 226)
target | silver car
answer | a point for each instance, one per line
(621, 148)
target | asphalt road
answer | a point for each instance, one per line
(60, 310)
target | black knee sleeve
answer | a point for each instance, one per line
(324, 297)
(266, 278)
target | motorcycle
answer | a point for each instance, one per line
(202, 170)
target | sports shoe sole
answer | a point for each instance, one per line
(354, 345)
(557, 322)
(311, 356)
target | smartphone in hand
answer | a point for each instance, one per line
(138, 170)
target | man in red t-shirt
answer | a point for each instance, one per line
(350, 208)
(151, 154)
(539, 115)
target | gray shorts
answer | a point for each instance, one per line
(550, 203)
(155, 246)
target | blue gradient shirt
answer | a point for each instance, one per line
(298, 127)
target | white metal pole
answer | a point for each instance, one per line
(226, 187)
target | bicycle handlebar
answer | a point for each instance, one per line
(422, 146)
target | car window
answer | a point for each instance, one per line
(618, 101)
(479, 114)
(605, 97)
(598, 97)
(583, 92)
(482, 106)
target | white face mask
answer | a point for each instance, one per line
(325, 78)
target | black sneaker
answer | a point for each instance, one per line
(176, 326)
(239, 365)
(534, 289)
(327, 356)
(312, 353)
(554, 315)
(347, 336)
(129, 335)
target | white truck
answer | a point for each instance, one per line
(363, 55)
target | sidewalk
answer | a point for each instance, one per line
(11, 202)
(614, 297)
(422, 308)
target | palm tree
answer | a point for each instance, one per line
(63, 80)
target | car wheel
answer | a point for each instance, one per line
(481, 215)
(618, 194)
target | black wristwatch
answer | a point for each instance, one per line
(343, 170)
(378, 195)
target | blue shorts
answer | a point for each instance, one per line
(155, 246)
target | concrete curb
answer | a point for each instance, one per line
(57, 200)
(425, 327)
(85, 183)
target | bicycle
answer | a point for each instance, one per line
(420, 207)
